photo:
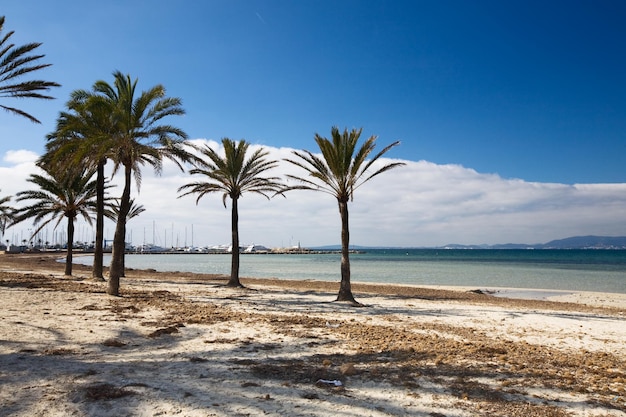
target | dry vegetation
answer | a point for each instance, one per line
(463, 366)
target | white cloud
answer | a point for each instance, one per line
(20, 157)
(17, 167)
(420, 204)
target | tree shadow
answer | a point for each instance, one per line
(122, 380)
(192, 364)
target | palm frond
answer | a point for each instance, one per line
(59, 195)
(339, 171)
(232, 174)
(15, 62)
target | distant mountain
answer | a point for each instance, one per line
(575, 242)
(588, 242)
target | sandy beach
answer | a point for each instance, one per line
(181, 344)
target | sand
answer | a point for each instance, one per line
(179, 344)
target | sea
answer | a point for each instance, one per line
(562, 270)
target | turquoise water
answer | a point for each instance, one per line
(570, 270)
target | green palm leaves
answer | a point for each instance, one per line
(339, 172)
(139, 137)
(233, 174)
(15, 62)
(6, 213)
(70, 196)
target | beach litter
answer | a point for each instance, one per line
(329, 382)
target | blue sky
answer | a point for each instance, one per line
(527, 92)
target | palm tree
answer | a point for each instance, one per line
(114, 210)
(139, 140)
(233, 175)
(339, 172)
(6, 213)
(16, 62)
(66, 195)
(83, 136)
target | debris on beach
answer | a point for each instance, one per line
(329, 383)
(114, 343)
(105, 391)
(164, 331)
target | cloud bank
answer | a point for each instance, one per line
(420, 204)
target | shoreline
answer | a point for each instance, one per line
(594, 299)
(184, 344)
(613, 298)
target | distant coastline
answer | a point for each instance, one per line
(575, 242)
(571, 243)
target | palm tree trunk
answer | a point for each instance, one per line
(98, 255)
(70, 246)
(345, 289)
(234, 264)
(119, 244)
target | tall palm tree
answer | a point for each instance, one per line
(83, 136)
(139, 140)
(233, 175)
(67, 195)
(16, 62)
(339, 172)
